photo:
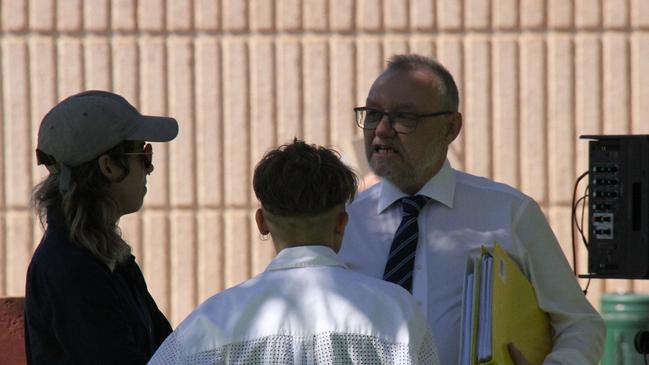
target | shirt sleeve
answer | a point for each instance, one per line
(578, 328)
(193, 343)
(87, 319)
(427, 354)
(160, 324)
(168, 353)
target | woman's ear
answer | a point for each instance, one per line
(109, 168)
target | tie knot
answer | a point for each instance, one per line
(411, 205)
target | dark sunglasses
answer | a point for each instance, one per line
(147, 153)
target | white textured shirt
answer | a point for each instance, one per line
(306, 308)
(464, 213)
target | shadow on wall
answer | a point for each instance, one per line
(12, 343)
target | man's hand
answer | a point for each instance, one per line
(517, 356)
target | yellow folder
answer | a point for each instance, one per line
(500, 307)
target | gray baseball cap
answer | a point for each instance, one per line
(83, 126)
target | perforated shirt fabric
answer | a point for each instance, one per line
(306, 308)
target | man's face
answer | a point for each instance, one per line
(409, 160)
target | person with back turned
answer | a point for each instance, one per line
(306, 307)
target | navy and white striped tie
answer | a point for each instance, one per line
(401, 260)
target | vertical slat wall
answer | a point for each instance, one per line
(242, 76)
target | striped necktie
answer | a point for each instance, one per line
(401, 260)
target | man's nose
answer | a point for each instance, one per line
(384, 128)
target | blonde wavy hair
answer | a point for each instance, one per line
(89, 212)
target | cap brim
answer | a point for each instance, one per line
(154, 129)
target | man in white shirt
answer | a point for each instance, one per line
(307, 307)
(410, 118)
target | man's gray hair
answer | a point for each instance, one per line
(448, 87)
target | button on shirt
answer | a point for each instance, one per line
(306, 308)
(466, 212)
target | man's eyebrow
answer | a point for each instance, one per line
(404, 107)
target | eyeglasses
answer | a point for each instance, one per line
(147, 153)
(401, 122)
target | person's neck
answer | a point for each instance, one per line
(409, 188)
(413, 186)
(280, 246)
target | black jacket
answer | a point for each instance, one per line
(79, 312)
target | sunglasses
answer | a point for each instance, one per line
(147, 153)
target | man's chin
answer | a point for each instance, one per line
(380, 170)
(386, 173)
(401, 179)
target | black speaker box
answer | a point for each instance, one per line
(618, 206)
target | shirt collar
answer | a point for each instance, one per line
(440, 187)
(305, 256)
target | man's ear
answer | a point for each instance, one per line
(453, 127)
(109, 168)
(261, 222)
(341, 223)
(339, 230)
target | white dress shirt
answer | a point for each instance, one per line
(306, 308)
(464, 213)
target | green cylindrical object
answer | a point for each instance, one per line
(625, 315)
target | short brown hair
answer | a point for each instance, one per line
(302, 180)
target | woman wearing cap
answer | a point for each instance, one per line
(86, 299)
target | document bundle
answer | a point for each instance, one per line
(500, 307)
